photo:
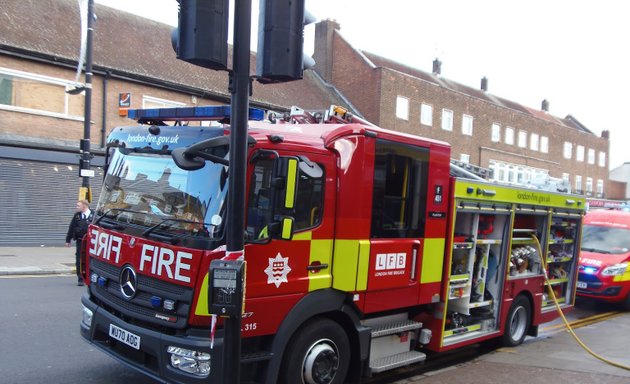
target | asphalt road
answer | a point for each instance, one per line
(40, 341)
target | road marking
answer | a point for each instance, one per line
(582, 322)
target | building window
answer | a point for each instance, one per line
(467, 125)
(447, 119)
(402, 107)
(426, 114)
(578, 184)
(533, 142)
(495, 134)
(579, 153)
(509, 135)
(566, 181)
(602, 159)
(154, 102)
(464, 158)
(544, 144)
(600, 188)
(568, 150)
(522, 139)
(40, 95)
(589, 186)
(591, 156)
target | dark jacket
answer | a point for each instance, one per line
(78, 227)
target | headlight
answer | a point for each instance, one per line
(87, 316)
(615, 270)
(195, 362)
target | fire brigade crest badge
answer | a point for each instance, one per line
(278, 270)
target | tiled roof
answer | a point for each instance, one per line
(128, 44)
(380, 61)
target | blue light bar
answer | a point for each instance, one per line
(207, 113)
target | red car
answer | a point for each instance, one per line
(604, 271)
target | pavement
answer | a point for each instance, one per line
(37, 260)
(555, 359)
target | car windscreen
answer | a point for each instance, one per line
(607, 240)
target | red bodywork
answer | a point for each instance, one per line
(608, 288)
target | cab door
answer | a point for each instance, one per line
(399, 205)
(303, 263)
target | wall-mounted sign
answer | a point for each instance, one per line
(124, 103)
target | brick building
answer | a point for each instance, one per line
(520, 144)
(40, 124)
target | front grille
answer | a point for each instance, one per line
(588, 278)
(139, 309)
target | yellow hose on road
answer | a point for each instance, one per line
(566, 322)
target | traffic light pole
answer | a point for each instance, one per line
(239, 88)
(84, 146)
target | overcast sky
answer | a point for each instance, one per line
(573, 53)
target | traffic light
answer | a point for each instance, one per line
(281, 40)
(201, 35)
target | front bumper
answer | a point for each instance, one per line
(604, 290)
(152, 358)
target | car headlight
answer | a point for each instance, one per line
(615, 270)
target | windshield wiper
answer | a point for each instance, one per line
(152, 228)
(595, 250)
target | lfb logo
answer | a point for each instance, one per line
(390, 261)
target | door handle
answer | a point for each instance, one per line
(316, 266)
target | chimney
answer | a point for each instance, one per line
(606, 134)
(323, 53)
(437, 67)
(545, 106)
(484, 84)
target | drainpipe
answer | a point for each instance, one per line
(108, 74)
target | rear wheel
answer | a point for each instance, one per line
(318, 354)
(517, 322)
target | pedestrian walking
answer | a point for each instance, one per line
(77, 229)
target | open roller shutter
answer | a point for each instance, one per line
(37, 201)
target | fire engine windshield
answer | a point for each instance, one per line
(148, 190)
(602, 239)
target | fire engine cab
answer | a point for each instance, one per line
(363, 250)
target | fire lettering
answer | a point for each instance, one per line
(104, 245)
(161, 262)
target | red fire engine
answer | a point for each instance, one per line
(363, 251)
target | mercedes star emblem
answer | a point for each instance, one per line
(128, 282)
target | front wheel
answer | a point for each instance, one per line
(517, 322)
(318, 354)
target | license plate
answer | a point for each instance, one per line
(123, 336)
(581, 284)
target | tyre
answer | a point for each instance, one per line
(319, 353)
(517, 322)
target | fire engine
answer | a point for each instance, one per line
(365, 249)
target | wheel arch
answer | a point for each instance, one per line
(331, 304)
